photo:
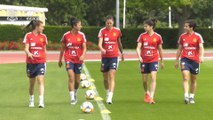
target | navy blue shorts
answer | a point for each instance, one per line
(190, 65)
(148, 67)
(109, 63)
(34, 70)
(74, 66)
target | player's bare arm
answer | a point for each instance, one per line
(61, 54)
(178, 56)
(138, 50)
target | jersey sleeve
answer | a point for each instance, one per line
(84, 38)
(200, 39)
(180, 41)
(45, 40)
(160, 40)
(140, 39)
(100, 34)
(63, 39)
(26, 39)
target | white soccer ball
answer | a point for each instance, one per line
(87, 107)
(90, 95)
(85, 84)
(83, 76)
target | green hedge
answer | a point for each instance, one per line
(129, 38)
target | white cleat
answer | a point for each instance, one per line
(31, 104)
(109, 100)
(191, 101)
(41, 105)
(73, 102)
(186, 100)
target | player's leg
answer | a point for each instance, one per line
(192, 88)
(77, 69)
(111, 82)
(31, 92)
(194, 70)
(185, 68)
(153, 67)
(41, 69)
(71, 81)
(105, 71)
(113, 65)
(30, 73)
(186, 77)
(40, 79)
(145, 72)
(153, 86)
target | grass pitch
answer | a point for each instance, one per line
(128, 96)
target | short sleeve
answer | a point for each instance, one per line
(140, 39)
(62, 39)
(180, 41)
(45, 40)
(160, 40)
(200, 39)
(26, 39)
(100, 34)
(84, 38)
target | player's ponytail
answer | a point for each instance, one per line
(151, 22)
(32, 25)
(74, 21)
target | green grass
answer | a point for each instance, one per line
(14, 96)
(128, 96)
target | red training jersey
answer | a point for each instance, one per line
(73, 46)
(110, 41)
(37, 45)
(149, 49)
(190, 44)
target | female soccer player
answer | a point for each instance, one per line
(191, 51)
(35, 49)
(110, 45)
(73, 48)
(148, 49)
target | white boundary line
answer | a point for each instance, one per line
(105, 116)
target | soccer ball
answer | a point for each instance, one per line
(90, 95)
(85, 84)
(83, 76)
(87, 107)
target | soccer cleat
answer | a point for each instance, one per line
(31, 104)
(109, 100)
(147, 98)
(186, 100)
(41, 105)
(73, 102)
(151, 101)
(191, 101)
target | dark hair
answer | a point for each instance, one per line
(151, 22)
(108, 17)
(33, 24)
(191, 23)
(74, 21)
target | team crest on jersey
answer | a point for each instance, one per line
(194, 40)
(78, 39)
(41, 39)
(114, 34)
(154, 39)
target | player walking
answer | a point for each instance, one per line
(148, 50)
(110, 45)
(73, 48)
(35, 49)
(191, 51)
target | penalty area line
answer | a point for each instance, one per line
(103, 110)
